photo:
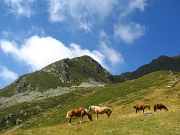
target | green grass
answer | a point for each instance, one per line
(149, 89)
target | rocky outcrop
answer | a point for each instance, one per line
(61, 69)
(28, 96)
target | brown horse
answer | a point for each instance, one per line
(141, 107)
(160, 106)
(100, 110)
(80, 112)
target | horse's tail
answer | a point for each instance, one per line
(67, 115)
(134, 107)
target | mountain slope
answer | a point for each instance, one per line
(64, 73)
(161, 63)
(49, 115)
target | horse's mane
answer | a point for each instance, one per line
(87, 111)
(110, 108)
(94, 106)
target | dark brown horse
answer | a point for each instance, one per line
(141, 107)
(80, 112)
(160, 106)
(101, 110)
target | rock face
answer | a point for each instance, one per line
(69, 71)
(61, 69)
(28, 96)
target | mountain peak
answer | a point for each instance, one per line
(64, 73)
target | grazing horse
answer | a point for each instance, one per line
(80, 112)
(141, 107)
(160, 106)
(100, 110)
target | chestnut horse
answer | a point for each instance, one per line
(141, 107)
(160, 106)
(100, 110)
(80, 112)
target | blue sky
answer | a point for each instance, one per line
(121, 35)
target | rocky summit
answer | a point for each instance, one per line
(80, 71)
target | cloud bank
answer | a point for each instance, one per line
(36, 49)
(37, 52)
(84, 14)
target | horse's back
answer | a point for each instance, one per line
(75, 112)
(160, 106)
(102, 110)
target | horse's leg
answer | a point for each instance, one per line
(80, 120)
(96, 115)
(69, 121)
(108, 115)
(136, 110)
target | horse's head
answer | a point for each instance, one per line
(165, 108)
(89, 116)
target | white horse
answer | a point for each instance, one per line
(100, 110)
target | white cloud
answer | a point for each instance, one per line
(57, 9)
(7, 74)
(37, 52)
(83, 13)
(35, 30)
(20, 7)
(112, 55)
(129, 32)
(132, 5)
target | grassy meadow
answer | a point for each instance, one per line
(149, 89)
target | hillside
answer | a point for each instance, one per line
(48, 116)
(41, 99)
(159, 64)
(63, 73)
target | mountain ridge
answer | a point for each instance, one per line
(74, 72)
(161, 63)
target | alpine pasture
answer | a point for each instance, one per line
(121, 97)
